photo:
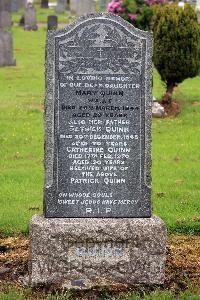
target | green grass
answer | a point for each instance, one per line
(21, 115)
(176, 144)
(176, 161)
(13, 294)
(42, 15)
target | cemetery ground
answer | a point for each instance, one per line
(42, 15)
(176, 168)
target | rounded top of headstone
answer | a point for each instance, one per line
(104, 16)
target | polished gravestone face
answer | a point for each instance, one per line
(52, 23)
(98, 110)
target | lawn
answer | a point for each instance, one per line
(176, 144)
(42, 15)
(14, 294)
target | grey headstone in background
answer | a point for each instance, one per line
(198, 10)
(98, 120)
(45, 3)
(52, 23)
(30, 22)
(103, 4)
(14, 5)
(85, 253)
(18, 4)
(86, 7)
(5, 20)
(5, 5)
(61, 6)
(5, 14)
(73, 6)
(6, 49)
(22, 4)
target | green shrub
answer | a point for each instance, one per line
(176, 45)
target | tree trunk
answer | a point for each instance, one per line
(45, 3)
(167, 98)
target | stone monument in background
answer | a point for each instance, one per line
(82, 7)
(5, 14)
(103, 4)
(85, 7)
(14, 5)
(30, 22)
(18, 4)
(52, 22)
(61, 6)
(6, 49)
(198, 10)
(6, 40)
(45, 3)
(73, 6)
(98, 227)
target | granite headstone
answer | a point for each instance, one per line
(5, 19)
(6, 49)
(30, 22)
(73, 6)
(45, 3)
(61, 6)
(85, 7)
(14, 5)
(103, 4)
(5, 5)
(5, 14)
(101, 163)
(52, 23)
(198, 10)
(22, 4)
(97, 160)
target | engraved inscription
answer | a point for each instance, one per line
(99, 122)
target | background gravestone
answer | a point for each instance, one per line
(103, 4)
(61, 6)
(97, 160)
(85, 7)
(5, 19)
(6, 49)
(73, 6)
(198, 10)
(22, 4)
(30, 22)
(45, 3)
(14, 5)
(5, 14)
(5, 5)
(52, 23)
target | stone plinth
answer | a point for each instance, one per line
(81, 253)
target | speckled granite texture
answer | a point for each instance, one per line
(81, 253)
(98, 53)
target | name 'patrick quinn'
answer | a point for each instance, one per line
(96, 180)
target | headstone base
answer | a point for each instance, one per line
(83, 253)
(30, 27)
